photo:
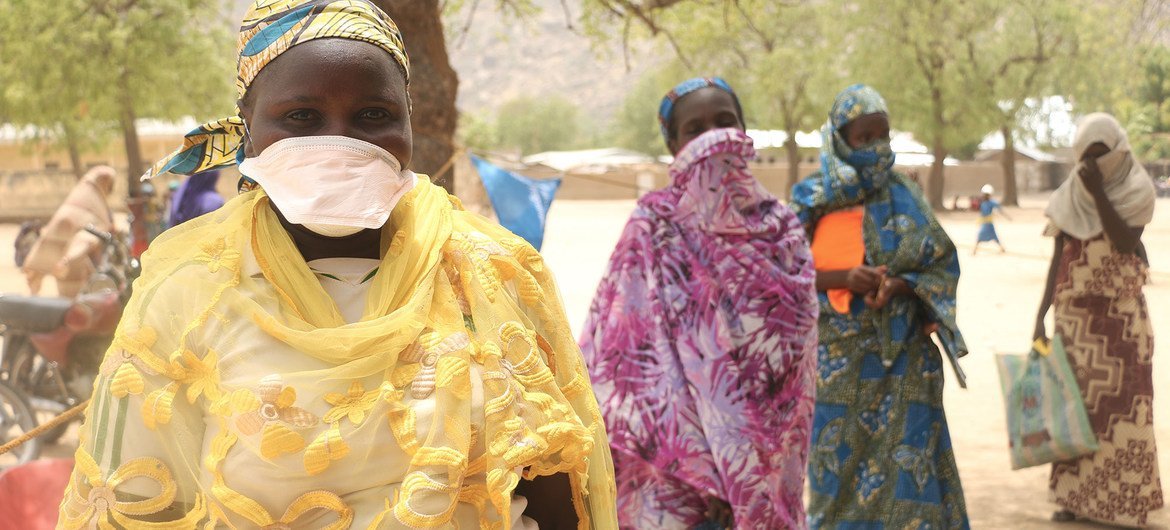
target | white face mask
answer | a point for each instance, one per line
(333, 185)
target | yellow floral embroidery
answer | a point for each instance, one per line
(314, 500)
(478, 250)
(273, 415)
(429, 351)
(125, 373)
(355, 404)
(219, 254)
(325, 449)
(200, 375)
(159, 406)
(256, 513)
(397, 244)
(91, 501)
(129, 357)
(330, 445)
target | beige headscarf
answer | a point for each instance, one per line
(63, 243)
(1072, 209)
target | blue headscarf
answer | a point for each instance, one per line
(900, 230)
(849, 175)
(196, 196)
(666, 109)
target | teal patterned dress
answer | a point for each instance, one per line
(881, 452)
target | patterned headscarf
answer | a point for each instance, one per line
(270, 28)
(666, 109)
(850, 174)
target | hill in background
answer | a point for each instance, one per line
(502, 58)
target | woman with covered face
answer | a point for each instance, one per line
(886, 276)
(1095, 289)
(702, 335)
(342, 346)
(65, 250)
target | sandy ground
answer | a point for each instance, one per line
(998, 296)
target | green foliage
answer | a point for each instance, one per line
(635, 126)
(1014, 51)
(782, 57)
(84, 65)
(1148, 113)
(909, 51)
(478, 132)
(528, 125)
(1109, 56)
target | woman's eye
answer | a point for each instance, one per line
(300, 115)
(375, 114)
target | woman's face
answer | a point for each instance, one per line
(330, 87)
(700, 111)
(866, 130)
(1094, 151)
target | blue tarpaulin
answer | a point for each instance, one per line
(521, 203)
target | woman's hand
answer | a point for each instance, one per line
(1040, 332)
(886, 291)
(864, 279)
(1091, 176)
(550, 501)
(719, 511)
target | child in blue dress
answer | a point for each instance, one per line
(987, 208)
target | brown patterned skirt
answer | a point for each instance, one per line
(1101, 315)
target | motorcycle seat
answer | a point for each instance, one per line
(33, 314)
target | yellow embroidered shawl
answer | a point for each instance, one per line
(181, 417)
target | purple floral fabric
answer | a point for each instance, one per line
(701, 343)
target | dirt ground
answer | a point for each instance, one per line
(998, 296)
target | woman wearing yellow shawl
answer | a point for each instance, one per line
(344, 347)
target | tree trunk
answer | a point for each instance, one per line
(134, 166)
(1010, 191)
(793, 151)
(74, 150)
(934, 188)
(433, 86)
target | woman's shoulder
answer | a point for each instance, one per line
(209, 249)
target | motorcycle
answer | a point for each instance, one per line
(16, 419)
(53, 347)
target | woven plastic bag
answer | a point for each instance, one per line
(1046, 416)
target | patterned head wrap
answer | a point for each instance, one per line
(270, 28)
(666, 109)
(849, 175)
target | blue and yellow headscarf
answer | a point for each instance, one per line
(270, 28)
(849, 174)
(666, 108)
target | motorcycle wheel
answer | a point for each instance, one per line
(36, 378)
(16, 418)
